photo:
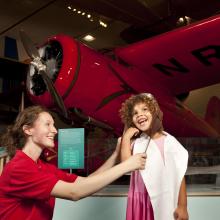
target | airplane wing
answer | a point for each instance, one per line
(185, 59)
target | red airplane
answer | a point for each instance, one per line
(83, 82)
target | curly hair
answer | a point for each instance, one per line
(14, 137)
(126, 111)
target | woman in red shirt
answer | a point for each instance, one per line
(28, 185)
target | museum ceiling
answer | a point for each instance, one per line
(111, 22)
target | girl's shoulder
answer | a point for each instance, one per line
(169, 137)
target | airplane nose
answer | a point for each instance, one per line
(52, 56)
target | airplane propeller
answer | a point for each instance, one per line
(42, 70)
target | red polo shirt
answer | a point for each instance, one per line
(25, 188)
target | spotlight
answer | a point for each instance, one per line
(89, 38)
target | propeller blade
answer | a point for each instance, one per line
(55, 95)
(34, 54)
(29, 47)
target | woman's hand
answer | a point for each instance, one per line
(136, 161)
(118, 146)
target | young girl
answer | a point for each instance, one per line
(28, 185)
(158, 192)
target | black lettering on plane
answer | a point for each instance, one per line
(206, 53)
(168, 70)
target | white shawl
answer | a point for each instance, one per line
(163, 178)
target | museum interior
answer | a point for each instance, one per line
(83, 58)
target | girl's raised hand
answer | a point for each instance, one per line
(131, 132)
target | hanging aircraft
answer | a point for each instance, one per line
(83, 84)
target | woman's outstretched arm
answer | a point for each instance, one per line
(85, 186)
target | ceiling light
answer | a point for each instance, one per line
(185, 20)
(103, 24)
(188, 19)
(89, 38)
(181, 19)
(91, 17)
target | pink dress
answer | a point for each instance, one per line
(139, 205)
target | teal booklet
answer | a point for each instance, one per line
(71, 148)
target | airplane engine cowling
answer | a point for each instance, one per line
(83, 79)
(60, 54)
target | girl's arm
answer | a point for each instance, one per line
(85, 186)
(181, 210)
(126, 143)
